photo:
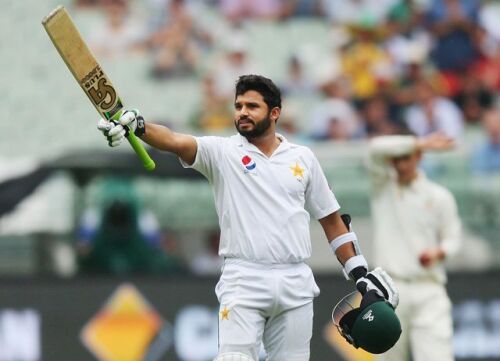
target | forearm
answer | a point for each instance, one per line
(346, 248)
(161, 137)
(343, 242)
(452, 239)
(393, 146)
(334, 227)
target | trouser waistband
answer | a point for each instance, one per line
(258, 265)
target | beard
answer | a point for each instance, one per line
(258, 128)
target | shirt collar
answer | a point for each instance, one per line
(417, 182)
(243, 142)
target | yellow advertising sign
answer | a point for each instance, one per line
(339, 343)
(124, 328)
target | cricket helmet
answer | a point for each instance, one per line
(368, 322)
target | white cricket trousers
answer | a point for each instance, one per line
(425, 314)
(269, 304)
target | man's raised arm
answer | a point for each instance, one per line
(158, 136)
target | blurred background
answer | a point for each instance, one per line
(86, 233)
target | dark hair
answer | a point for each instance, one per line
(264, 86)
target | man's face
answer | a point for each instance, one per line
(406, 166)
(252, 117)
(424, 93)
(491, 123)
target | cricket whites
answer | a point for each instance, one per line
(88, 73)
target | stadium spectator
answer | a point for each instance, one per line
(356, 12)
(175, 45)
(87, 4)
(486, 155)
(238, 10)
(214, 112)
(377, 119)
(489, 14)
(334, 118)
(406, 39)
(402, 93)
(453, 24)
(294, 8)
(432, 113)
(486, 69)
(107, 244)
(297, 82)
(366, 63)
(235, 61)
(474, 97)
(208, 262)
(122, 242)
(288, 125)
(119, 34)
(416, 227)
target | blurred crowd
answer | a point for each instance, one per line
(391, 67)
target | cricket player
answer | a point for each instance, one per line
(416, 228)
(265, 191)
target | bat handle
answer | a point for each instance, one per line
(139, 149)
(136, 144)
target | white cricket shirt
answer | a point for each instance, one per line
(264, 203)
(409, 219)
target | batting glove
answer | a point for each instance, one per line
(379, 281)
(117, 131)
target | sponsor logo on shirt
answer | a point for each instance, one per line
(249, 163)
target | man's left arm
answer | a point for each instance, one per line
(450, 233)
(344, 244)
(322, 205)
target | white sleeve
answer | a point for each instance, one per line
(383, 147)
(451, 226)
(320, 200)
(415, 120)
(453, 121)
(208, 156)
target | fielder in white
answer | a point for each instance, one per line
(416, 228)
(265, 191)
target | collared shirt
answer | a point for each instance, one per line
(446, 118)
(264, 203)
(409, 219)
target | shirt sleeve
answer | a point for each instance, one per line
(451, 226)
(208, 155)
(380, 149)
(452, 120)
(320, 200)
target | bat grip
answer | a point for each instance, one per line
(139, 149)
(136, 144)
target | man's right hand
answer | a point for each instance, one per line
(117, 131)
(436, 141)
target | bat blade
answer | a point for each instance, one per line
(88, 73)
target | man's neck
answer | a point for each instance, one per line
(407, 181)
(266, 143)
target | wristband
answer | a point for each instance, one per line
(358, 272)
(354, 262)
(140, 130)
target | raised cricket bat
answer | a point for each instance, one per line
(88, 73)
